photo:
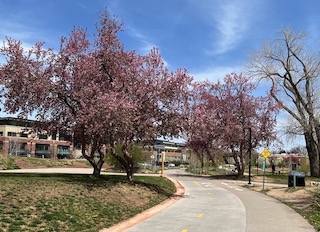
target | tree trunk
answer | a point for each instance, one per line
(97, 167)
(202, 163)
(242, 166)
(129, 163)
(313, 154)
(130, 172)
(242, 163)
(125, 160)
(317, 130)
(240, 170)
(96, 171)
(95, 146)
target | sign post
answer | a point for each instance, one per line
(294, 172)
(162, 162)
(265, 153)
(264, 172)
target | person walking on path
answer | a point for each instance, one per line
(273, 167)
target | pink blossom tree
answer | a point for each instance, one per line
(100, 92)
(223, 112)
(203, 128)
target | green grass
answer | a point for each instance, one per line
(7, 162)
(61, 202)
(314, 215)
(51, 162)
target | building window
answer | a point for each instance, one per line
(63, 152)
(42, 147)
(24, 135)
(63, 148)
(64, 136)
(12, 134)
(43, 136)
(42, 151)
(23, 146)
(1, 133)
(16, 148)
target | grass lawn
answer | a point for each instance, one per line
(62, 202)
(16, 162)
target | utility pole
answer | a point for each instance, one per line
(249, 155)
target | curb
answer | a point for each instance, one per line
(149, 212)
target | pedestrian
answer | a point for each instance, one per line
(273, 168)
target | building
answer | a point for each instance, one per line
(173, 151)
(18, 137)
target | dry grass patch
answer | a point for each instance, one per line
(30, 202)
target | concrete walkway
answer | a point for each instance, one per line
(51, 170)
(217, 205)
(67, 171)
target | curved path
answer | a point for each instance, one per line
(217, 205)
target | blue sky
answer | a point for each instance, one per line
(210, 38)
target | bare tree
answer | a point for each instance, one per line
(298, 150)
(293, 70)
(13, 146)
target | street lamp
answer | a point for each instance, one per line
(249, 151)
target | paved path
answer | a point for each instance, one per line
(66, 170)
(217, 205)
(51, 170)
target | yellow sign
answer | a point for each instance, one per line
(265, 153)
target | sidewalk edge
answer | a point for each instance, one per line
(149, 212)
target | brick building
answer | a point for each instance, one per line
(17, 137)
(173, 151)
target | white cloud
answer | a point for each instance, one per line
(26, 33)
(231, 21)
(15, 30)
(215, 74)
(147, 45)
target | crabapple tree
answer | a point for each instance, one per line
(101, 93)
(222, 113)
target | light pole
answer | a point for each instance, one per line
(249, 150)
